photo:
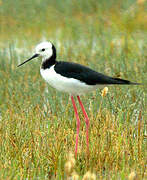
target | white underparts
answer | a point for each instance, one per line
(64, 84)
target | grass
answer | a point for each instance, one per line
(37, 123)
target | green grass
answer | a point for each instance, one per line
(37, 123)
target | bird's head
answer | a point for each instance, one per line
(45, 49)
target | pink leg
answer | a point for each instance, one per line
(87, 122)
(78, 124)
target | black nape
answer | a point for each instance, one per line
(50, 61)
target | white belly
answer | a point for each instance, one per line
(69, 85)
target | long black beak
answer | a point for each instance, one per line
(36, 55)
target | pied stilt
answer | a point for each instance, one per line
(72, 78)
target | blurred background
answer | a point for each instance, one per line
(108, 36)
(65, 21)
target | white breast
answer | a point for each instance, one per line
(61, 83)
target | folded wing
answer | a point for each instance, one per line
(87, 75)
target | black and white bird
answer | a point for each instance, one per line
(72, 78)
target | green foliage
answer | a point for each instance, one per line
(37, 123)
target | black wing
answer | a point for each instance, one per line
(85, 74)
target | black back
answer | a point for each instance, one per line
(85, 74)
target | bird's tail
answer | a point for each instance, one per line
(123, 82)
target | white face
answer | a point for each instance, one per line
(44, 49)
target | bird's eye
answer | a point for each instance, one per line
(43, 49)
